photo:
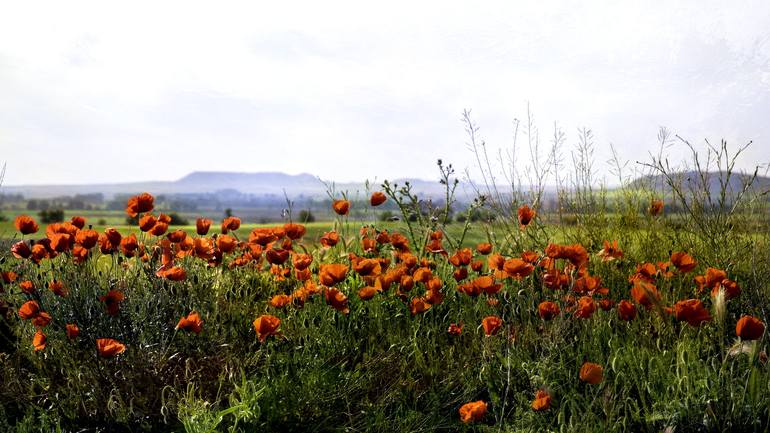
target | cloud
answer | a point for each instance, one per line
(96, 92)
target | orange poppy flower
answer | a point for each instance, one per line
(174, 273)
(138, 204)
(27, 287)
(128, 245)
(691, 311)
(477, 266)
(399, 242)
(591, 373)
(41, 320)
(337, 300)
(333, 273)
(646, 294)
(731, 288)
(330, 239)
(147, 222)
(29, 310)
(280, 301)
(21, 250)
(25, 224)
(78, 221)
(60, 242)
(113, 237)
(485, 284)
(341, 207)
(626, 311)
(418, 305)
(484, 248)
(202, 226)
(656, 207)
(749, 328)
(455, 329)
(58, 288)
(39, 340)
(611, 251)
(227, 244)
(460, 274)
(683, 261)
(473, 411)
(191, 323)
(177, 236)
(265, 326)
(542, 401)
(294, 231)
(230, 224)
(526, 215)
(108, 347)
(530, 256)
(112, 301)
(548, 310)
(586, 307)
(367, 267)
(517, 268)
(377, 198)
(367, 293)
(491, 325)
(87, 238)
(72, 331)
(159, 228)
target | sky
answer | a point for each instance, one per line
(95, 92)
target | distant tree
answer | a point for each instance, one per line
(385, 215)
(51, 216)
(305, 216)
(177, 220)
(228, 213)
(32, 204)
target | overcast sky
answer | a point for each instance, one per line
(93, 92)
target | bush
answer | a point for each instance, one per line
(51, 216)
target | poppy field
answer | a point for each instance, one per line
(634, 319)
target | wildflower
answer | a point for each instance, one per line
(626, 311)
(108, 347)
(25, 224)
(491, 325)
(112, 301)
(526, 215)
(542, 401)
(72, 331)
(548, 310)
(749, 328)
(591, 373)
(683, 262)
(341, 207)
(656, 207)
(192, 323)
(39, 340)
(377, 198)
(455, 329)
(202, 226)
(691, 311)
(473, 411)
(138, 204)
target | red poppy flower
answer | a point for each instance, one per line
(548, 310)
(331, 274)
(72, 331)
(586, 307)
(749, 328)
(591, 373)
(691, 311)
(626, 310)
(542, 401)
(202, 226)
(294, 231)
(191, 323)
(39, 340)
(377, 198)
(473, 411)
(491, 325)
(266, 325)
(138, 204)
(526, 215)
(337, 300)
(108, 347)
(683, 261)
(230, 223)
(656, 207)
(341, 207)
(58, 288)
(25, 224)
(29, 310)
(455, 329)
(112, 301)
(21, 250)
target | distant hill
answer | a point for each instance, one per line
(692, 180)
(258, 184)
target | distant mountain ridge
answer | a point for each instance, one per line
(258, 183)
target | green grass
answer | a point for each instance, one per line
(380, 368)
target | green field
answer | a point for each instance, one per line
(385, 361)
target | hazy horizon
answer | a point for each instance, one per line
(96, 93)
